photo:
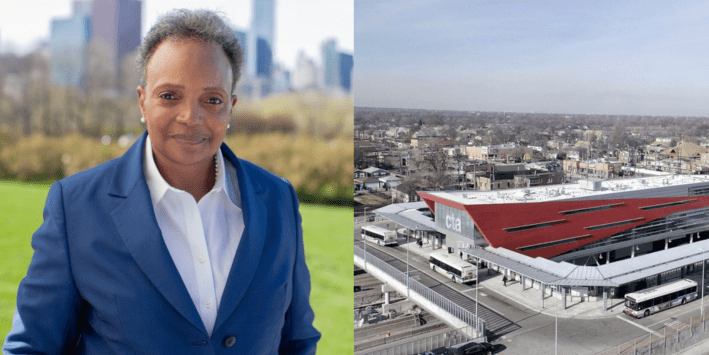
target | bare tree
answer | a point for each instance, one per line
(436, 166)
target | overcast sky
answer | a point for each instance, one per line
(614, 57)
(300, 24)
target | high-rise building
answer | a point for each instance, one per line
(69, 38)
(346, 65)
(116, 28)
(331, 64)
(264, 57)
(259, 56)
(305, 77)
(281, 79)
(81, 7)
(241, 36)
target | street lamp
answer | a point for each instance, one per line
(407, 261)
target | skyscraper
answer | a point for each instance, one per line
(304, 77)
(331, 64)
(346, 65)
(81, 7)
(67, 46)
(241, 35)
(116, 27)
(260, 47)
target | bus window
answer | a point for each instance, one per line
(665, 298)
(674, 295)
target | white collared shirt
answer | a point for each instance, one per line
(201, 237)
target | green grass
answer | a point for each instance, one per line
(328, 250)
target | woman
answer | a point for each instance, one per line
(178, 246)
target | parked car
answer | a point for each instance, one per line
(438, 351)
(473, 349)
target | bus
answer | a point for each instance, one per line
(379, 235)
(451, 266)
(654, 299)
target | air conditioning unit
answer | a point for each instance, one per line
(590, 185)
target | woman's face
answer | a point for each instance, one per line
(186, 101)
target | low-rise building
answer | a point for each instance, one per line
(597, 168)
(502, 151)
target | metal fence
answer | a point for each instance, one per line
(671, 339)
(447, 305)
(446, 339)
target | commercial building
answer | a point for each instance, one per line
(69, 40)
(502, 151)
(116, 26)
(346, 66)
(305, 76)
(599, 168)
(259, 55)
(588, 239)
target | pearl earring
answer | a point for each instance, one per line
(142, 119)
(228, 126)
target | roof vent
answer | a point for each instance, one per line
(590, 185)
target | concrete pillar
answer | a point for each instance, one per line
(563, 296)
(667, 243)
(523, 280)
(605, 298)
(386, 298)
(632, 251)
(691, 238)
(608, 257)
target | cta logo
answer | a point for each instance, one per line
(453, 223)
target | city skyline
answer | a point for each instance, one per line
(298, 27)
(555, 57)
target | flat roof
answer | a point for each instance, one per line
(568, 191)
(410, 215)
(613, 274)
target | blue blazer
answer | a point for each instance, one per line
(101, 280)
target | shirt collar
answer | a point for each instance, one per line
(158, 186)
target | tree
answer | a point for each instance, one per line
(436, 166)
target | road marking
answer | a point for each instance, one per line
(677, 325)
(472, 289)
(638, 325)
(675, 316)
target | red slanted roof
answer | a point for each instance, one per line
(548, 229)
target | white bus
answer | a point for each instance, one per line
(452, 266)
(654, 299)
(379, 235)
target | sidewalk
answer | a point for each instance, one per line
(532, 298)
(697, 349)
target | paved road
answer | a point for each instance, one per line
(526, 331)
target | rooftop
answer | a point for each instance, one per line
(577, 190)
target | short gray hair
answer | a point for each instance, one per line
(200, 24)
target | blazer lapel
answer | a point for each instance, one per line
(136, 223)
(248, 254)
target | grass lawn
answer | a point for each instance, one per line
(328, 250)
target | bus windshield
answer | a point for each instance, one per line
(631, 304)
